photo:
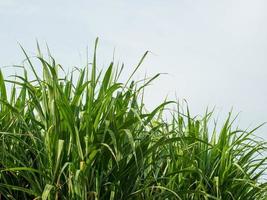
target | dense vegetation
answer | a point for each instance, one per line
(89, 136)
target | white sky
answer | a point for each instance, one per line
(215, 52)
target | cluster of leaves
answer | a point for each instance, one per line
(92, 138)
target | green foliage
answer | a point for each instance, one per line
(92, 138)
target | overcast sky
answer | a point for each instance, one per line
(215, 52)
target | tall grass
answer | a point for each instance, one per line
(90, 137)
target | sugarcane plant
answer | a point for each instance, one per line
(87, 135)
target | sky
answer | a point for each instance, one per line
(213, 52)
